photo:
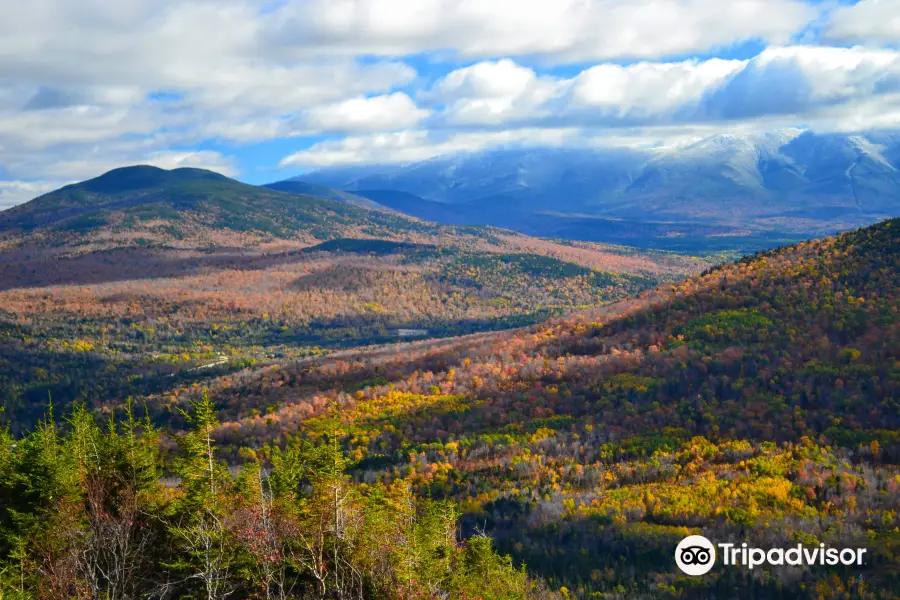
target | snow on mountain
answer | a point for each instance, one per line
(809, 180)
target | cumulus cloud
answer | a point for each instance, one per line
(495, 93)
(500, 79)
(563, 30)
(650, 88)
(34, 130)
(378, 113)
(501, 103)
(796, 80)
(802, 79)
(217, 51)
(868, 21)
(491, 93)
(102, 83)
(170, 72)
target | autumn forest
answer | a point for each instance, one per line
(211, 390)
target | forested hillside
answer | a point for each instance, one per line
(756, 402)
(147, 205)
(450, 300)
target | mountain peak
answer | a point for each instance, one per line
(137, 177)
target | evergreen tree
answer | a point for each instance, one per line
(84, 514)
(197, 518)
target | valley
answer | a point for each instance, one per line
(101, 301)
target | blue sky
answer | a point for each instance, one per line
(266, 90)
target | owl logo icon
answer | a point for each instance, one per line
(695, 555)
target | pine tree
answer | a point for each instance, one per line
(119, 478)
(43, 519)
(197, 518)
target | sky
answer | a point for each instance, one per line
(265, 90)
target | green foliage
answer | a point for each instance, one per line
(483, 265)
(200, 471)
(85, 222)
(725, 325)
(84, 514)
(757, 402)
(494, 576)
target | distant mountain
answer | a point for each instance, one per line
(155, 204)
(527, 176)
(298, 186)
(417, 206)
(779, 185)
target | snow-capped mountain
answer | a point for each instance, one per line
(789, 181)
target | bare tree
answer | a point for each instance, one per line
(207, 542)
(115, 545)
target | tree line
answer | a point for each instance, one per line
(90, 510)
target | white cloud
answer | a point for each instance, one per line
(802, 79)
(491, 93)
(78, 162)
(300, 53)
(864, 114)
(419, 145)
(292, 88)
(797, 80)
(500, 79)
(416, 145)
(562, 30)
(171, 72)
(217, 53)
(495, 93)
(650, 88)
(98, 83)
(29, 130)
(868, 22)
(642, 104)
(379, 113)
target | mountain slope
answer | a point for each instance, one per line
(186, 203)
(410, 204)
(756, 402)
(297, 186)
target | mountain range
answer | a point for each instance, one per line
(757, 189)
(722, 193)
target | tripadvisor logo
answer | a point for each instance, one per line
(696, 555)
